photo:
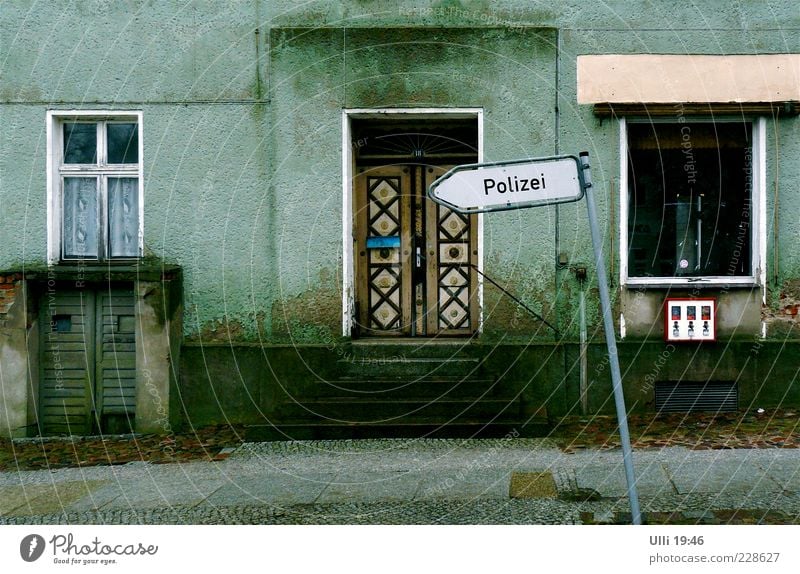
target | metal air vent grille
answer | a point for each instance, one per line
(684, 396)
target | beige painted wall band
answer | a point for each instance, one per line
(668, 78)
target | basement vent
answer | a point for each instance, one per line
(687, 397)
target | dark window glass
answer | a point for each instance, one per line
(123, 143)
(80, 143)
(690, 200)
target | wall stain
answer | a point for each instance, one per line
(220, 330)
(311, 316)
(505, 318)
(782, 316)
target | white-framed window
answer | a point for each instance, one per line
(94, 185)
(691, 201)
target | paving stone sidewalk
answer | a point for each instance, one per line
(431, 481)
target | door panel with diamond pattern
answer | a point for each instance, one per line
(383, 251)
(413, 257)
(452, 249)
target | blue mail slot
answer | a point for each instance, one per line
(392, 241)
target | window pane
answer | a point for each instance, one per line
(80, 217)
(123, 143)
(123, 216)
(689, 199)
(80, 143)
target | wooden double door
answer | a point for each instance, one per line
(415, 260)
(87, 360)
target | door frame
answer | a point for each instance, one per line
(348, 170)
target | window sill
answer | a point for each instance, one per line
(693, 282)
(98, 262)
(131, 271)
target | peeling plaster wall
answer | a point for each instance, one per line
(314, 77)
(15, 387)
(158, 318)
(242, 137)
(198, 73)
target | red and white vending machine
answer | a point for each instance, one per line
(690, 319)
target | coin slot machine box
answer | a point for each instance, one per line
(690, 319)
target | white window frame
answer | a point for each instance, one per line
(348, 225)
(56, 172)
(758, 216)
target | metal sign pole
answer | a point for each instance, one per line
(517, 184)
(608, 322)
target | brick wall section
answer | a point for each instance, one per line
(9, 286)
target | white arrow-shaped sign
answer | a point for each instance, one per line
(478, 187)
(530, 183)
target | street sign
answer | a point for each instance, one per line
(522, 183)
(498, 186)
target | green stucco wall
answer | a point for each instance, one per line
(242, 104)
(242, 124)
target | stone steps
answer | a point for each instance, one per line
(418, 428)
(371, 410)
(398, 387)
(402, 389)
(402, 365)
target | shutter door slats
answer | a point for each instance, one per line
(117, 353)
(65, 395)
(90, 366)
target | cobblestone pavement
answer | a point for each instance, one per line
(778, 428)
(432, 481)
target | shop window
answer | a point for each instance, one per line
(690, 200)
(95, 186)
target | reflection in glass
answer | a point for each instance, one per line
(123, 143)
(80, 143)
(690, 207)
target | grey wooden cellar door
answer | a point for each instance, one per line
(88, 366)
